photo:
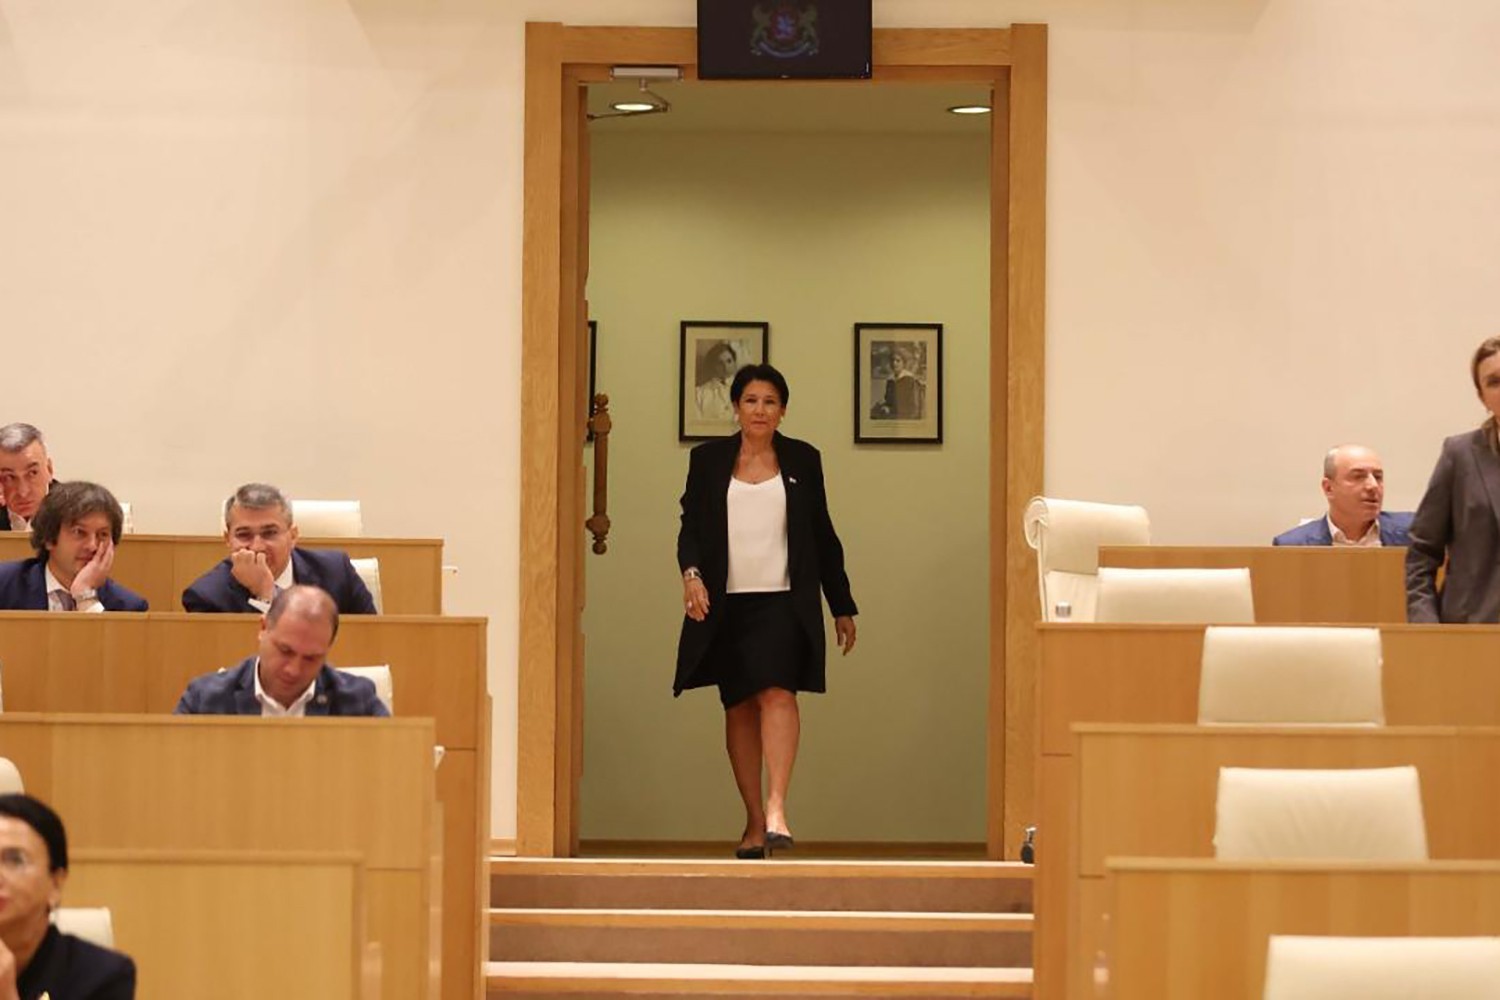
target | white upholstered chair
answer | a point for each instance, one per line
(1191, 596)
(381, 676)
(127, 526)
(1066, 535)
(92, 923)
(1293, 675)
(1366, 814)
(369, 573)
(10, 777)
(1376, 968)
(328, 518)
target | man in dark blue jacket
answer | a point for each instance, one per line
(290, 677)
(1354, 483)
(264, 559)
(74, 533)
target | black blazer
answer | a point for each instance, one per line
(218, 590)
(70, 968)
(23, 587)
(815, 557)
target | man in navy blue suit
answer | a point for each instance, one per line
(290, 677)
(264, 559)
(1354, 483)
(74, 533)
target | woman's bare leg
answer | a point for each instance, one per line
(742, 737)
(780, 727)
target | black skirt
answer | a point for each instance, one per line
(759, 644)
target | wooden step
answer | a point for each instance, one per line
(758, 937)
(528, 980)
(635, 884)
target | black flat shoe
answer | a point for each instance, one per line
(779, 841)
(757, 853)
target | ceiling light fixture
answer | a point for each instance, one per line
(651, 103)
(970, 109)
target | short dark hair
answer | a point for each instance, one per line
(302, 593)
(40, 817)
(17, 437)
(69, 502)
(758, 373)
(258, 496)
(1489, 347)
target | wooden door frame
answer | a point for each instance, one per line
(559, 60)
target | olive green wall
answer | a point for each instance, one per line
(811, 233)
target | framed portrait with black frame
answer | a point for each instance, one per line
(711, 352)
(898, 383)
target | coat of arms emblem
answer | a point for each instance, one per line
(785, 30)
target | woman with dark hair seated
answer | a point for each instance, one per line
(36, 959)
(758, 552)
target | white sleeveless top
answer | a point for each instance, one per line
(757, 536)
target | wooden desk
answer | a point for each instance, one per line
(160, 567)
(361, 786)
(1294, 584)
(141, 663)
(1183, 929)
(1433, 675)
(1149, 791)
(229, 911)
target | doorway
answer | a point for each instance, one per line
(560, 60)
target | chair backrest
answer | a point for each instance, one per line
(92, 923)
(1380, 968)
(10, 777)
(1180, 596)
(1372, 814)
(127, 524)
(328, 518)
(369, 573)
(1294, 675)
(381, 675)
(1066, 535)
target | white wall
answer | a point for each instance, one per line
(280, 239)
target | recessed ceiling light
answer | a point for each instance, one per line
(971, 109)
(635, 106)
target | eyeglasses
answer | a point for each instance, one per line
(267, 534)
(14, 861)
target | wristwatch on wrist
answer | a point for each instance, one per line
(87, 594)
(691, 573)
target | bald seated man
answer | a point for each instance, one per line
(290, 676)
(1354, 483)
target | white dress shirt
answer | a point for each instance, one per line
(17, 522)
(1370, 540)
(270, 708)
(59, 597)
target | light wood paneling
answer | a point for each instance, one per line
(229, 911)
(1295, 584)
(1149, 791)
(1024, 346)
(246, 784)
(142, 663)
(1183, 930)
(161, 567)
(558, 57)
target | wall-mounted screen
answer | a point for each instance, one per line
(783, 39)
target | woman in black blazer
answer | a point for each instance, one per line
(1458, 520)
(756, 548)
(36, 959)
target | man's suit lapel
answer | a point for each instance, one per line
(34, 589)
(1489, 470)
(244, 690)
(322, 697)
